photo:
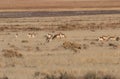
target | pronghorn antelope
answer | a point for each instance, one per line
(16, 35)
(50, 37)
(59, 35)
(112, 38)
(108, 38)
(103, 38)
(31, 35)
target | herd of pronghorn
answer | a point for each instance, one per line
(108, 38)
(49, 37)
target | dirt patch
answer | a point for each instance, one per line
(72, 46)
(11, 53)
(24, 41)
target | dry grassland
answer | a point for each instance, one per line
(25, 57)
(91, 49)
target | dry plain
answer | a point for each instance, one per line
(39, 56)
(25, 57)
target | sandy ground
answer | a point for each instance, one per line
(39, 56)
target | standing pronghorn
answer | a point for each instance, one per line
(49, 37)
(31, 35)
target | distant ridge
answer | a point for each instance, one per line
(48, 4)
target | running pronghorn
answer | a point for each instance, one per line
(112, 38)
(103, 38)
(108, 38)
(50, 37)
(31, 35)
(59, 36)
